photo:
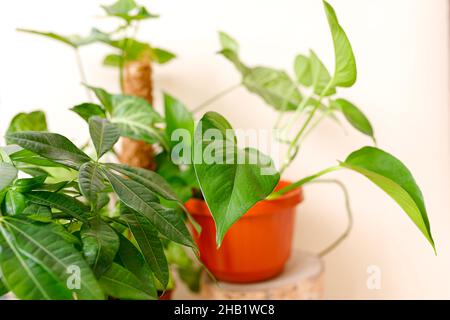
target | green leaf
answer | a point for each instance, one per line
(355, 116)
(131, 258)
(345, 65)
(321, 78)
(36, 263)
(33, 121)
(38, 213)
(230, 188)
(113, 60)
(62, 202)
(228, 42)
(149, 179)
(162, 56)
(230, 50)
(3, 289)
(8, 173)
(104, 135)
(75, 41)
(120, 283)
(392, 176)
(302, 68)
(275, 87)
(87, 110)
(15, 203)
(147, 239)
(178, 117)
(51, 146)
(92, 184)
(100, 245)
(28, 184)
(29, 157)
(136, 119)
(103, 96)
(120, 7)
(140, 198)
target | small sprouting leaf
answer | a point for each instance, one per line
(233, 180)
(302, 68)
(120, 283)
(345, 65)
(100, 245)
(33, 121)
(321, 78)
(62, 202)
(87, 110)
(392, 176)
(354, 116)
(8, 173)
(140, 198)
(162, 56)
(273, 86)
(147, 239)
(104, 135)
(51, 146)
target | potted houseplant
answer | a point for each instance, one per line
(247, 216)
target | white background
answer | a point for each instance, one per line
(402, 54)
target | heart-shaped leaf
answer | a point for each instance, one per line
(231, 180)
(391, 175)
(51, 146)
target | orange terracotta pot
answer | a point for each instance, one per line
(256, 247)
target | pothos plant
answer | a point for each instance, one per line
(61, 238)
(121, 39)
(298, 102)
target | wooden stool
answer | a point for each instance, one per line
(302, 279)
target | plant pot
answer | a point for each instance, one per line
(257, 246)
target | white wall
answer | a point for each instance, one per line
(403, 85)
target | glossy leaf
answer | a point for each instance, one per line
(14, 202)
(104, 134)
(392, 176)
(87, 110)
(51, 146)
(230, 188)
(321, 78)
(345, 64)
(147, 239)
(28, 184)
(62, 202)
(302, 68)
(140, 198)
(35, 263)
(8, 173)
(33, 121)
(29, 157)
(120, 283)
(131, 258)
(275, 87)
(355, 116)
(100, 245)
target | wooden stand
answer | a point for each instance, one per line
(302, 279)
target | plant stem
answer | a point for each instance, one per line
(348, 208)
(301, 182)
(82, 73)
(216, 97)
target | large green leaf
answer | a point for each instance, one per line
(391, 175)
(100, 245)
(87, 110)
(36, 263)
(120, 283)
(51, 146)
(274, 86)
(321, 79)
(8, 173)
(354, 116)
(178, 117)
(33, 121)
(345, 65)
(104, 134)
(92, 184)
(140, 198)
(62, 202)
(131, 258)
(230, 188)
(147, 239)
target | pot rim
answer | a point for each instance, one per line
(294, 197)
